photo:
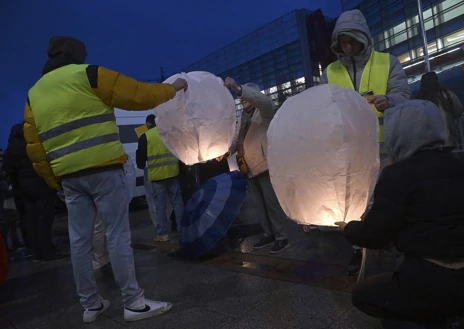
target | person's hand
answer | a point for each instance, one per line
(220, 158)
(341, 226)
(230, 83)
(381, 102)
(180, 84)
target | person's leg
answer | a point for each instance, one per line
(160, 195)
(31, 228)
(111, 199)
(19, 202)
(260, 207)
(149, 197)
(110, 193)
(100, 253)
(81, 216)
(45, 214)
(419, 291)
(175, 196)
(276, 216)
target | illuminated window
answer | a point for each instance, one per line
(432, 48)
(456, 37)
(285, 85)
(404, 58)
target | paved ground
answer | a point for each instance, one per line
(233, 287)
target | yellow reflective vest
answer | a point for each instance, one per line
(374, 78)
(76, 128)
(161, 163)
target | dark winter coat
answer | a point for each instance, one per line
(23, 177)
(418, 200)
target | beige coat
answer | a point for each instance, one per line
(255, 139)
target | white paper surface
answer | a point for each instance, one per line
(323, 155)
(198, 125)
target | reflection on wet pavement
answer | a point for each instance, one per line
(233, 286)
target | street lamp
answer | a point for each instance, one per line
(424, 36)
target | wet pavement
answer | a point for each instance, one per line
(231, 287)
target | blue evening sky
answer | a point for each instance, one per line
(134, 37)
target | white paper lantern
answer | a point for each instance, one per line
(198, 125)
(323, 155)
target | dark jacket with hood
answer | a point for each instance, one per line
(418, 200)
(353, 23)
(23, 177)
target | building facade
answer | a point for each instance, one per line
(281, 57)
(395, 28)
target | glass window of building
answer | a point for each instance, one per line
(454, 38)
(452, 9)
(404, 57)
(432, 48)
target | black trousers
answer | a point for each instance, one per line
(419, 291)
(39, 221)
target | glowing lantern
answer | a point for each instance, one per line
(323, 155)
(198, 125)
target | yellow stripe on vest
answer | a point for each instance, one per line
(162, 164)
(77, 129)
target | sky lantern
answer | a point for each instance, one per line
(198, 125)
(323, 155)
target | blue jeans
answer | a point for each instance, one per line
(149, 197)
(163, 189)
(107, 193)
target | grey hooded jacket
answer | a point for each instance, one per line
(253, 142)
(398, 89)
(413, 126)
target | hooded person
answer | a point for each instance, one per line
(74, 145)
(378, 76)
(363, 69)
(417, 206)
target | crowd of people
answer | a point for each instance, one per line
(69, 142)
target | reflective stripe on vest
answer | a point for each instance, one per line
(375, 78)
(76, 128)
(161, 163)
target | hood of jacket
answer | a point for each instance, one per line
(352, 23)
(413, 126)
(17, 143)
(63, 51)
(16, 133)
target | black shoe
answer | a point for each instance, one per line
(264, 242)
(55, 258)
(20, 246)
(28, 254)
(354, 266)
(279, 246)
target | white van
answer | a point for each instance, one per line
(127, 121)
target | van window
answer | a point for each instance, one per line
(127, 134)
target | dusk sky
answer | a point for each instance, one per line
(134, 37)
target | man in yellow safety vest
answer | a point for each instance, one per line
(73, 142)
(163, 173)
(378, 76)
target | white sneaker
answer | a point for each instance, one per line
(90, 315)
(152, 308)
